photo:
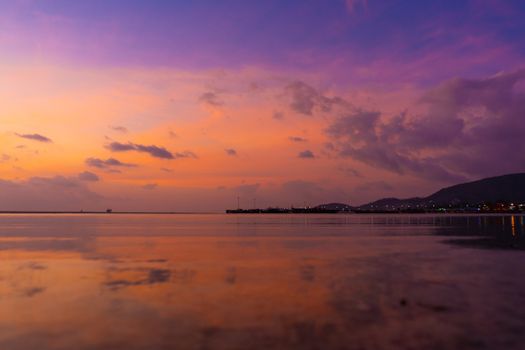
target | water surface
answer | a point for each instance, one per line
(261, 281)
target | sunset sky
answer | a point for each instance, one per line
(187, 105)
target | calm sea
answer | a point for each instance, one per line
(261, 282)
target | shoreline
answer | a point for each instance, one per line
(21, 212)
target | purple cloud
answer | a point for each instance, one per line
(152, 150)
(35, 137)
(306, 154)
(211, 98)
(88, 176)
(107, 163)
(185, 154)
(120, 147)
(303, 97)
(306, 100)
(40, 193)
(58, 181)
(468, 126)
(231, 152)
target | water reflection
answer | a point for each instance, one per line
(492, 232)
(258, 282)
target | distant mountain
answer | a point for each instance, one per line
(505, 188)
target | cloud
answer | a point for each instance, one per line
(35, 137)
(297, 139)
(119, 129)
(231, 152)
(303, 97)
(306, 100)
(40, 193)
(466, 128)
(306, 154)
(56, 181)
(167, 170)
(88, 176)
(211, 98)
(363, 136)
(4, 158)
(186, 154)
(152, 150)
(107, 163)
(120, 147)
(150, 187)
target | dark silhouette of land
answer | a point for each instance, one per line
(500, 193)
(319, 209)
(504, 193)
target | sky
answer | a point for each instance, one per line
(189, 105)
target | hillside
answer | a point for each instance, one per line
(505, 188)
